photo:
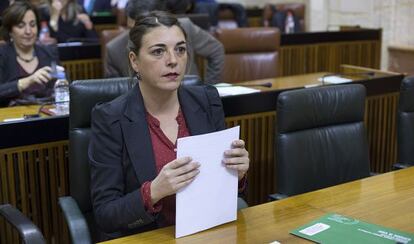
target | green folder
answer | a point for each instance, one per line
(338, 229)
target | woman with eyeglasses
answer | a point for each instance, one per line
(134, 170)
(25, 67)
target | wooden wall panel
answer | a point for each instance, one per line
(293, 59)
(83, 69)
(257, 130)
(381, 124)
(32, 179)
(302, 59)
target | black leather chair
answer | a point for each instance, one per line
(77, 208)
(84, 94)
(406, 124)
(321, 140)
(28, 232)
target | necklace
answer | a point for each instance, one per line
(26, 60)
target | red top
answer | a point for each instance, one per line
(164, 152)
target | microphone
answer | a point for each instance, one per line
(368, 74)
(265, 84)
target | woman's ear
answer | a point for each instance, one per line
(133, 60)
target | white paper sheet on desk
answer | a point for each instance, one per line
(211, 199)
(334, 79)
(227, 89)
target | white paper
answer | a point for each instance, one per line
(227, 89)
(314, 229)
(334, 80)
(211, 199)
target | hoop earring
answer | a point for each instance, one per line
(138, 75)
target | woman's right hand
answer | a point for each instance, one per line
(56, 7)
(55, 10)
(41, 76)
(172, 177)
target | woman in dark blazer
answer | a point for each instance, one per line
(24, 66)
(134, 170)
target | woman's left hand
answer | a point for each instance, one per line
(237, 158)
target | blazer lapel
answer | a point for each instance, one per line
(197, 119)
(138, 138)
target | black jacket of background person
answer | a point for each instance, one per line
(121, 155)
(69, 30)
(9, 75)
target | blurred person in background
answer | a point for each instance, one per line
(211, 7)
(286, 21)
(68, 21)
(25, 67)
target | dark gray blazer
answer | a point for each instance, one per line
(122, 158)
(199, 43)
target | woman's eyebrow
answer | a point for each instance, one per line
(163, 45)
(158, 45)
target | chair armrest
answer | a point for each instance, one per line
(397, 166)
(77, 224)
(27, 230)
(277, 196)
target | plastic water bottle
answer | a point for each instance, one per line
(290, 23)
(61, 93)
(44, 34)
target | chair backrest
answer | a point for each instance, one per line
(84, 95)
(321, 139)
(250, 53)
(28, 232)
(406, 122)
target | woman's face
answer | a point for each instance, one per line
(162, 58)
(24, 34)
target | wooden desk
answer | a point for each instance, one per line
(17, 112)
(386, 200)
